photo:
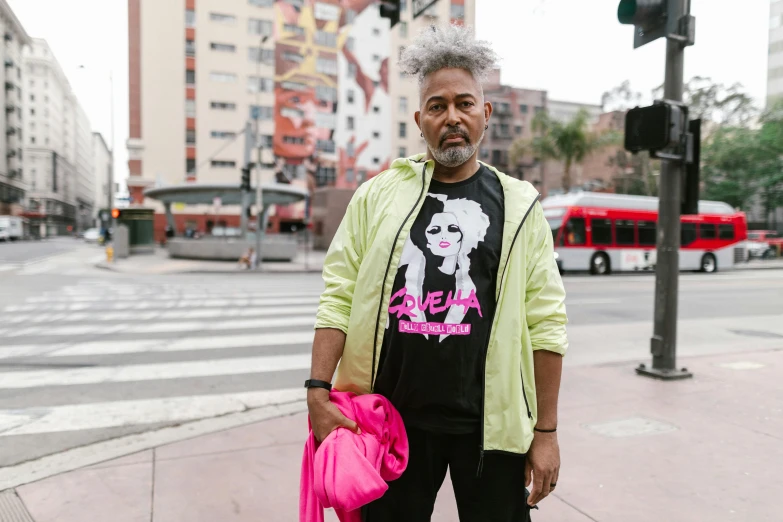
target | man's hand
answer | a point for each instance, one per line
(324, 416)
(543, 460)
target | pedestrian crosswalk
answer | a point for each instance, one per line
(119, 356)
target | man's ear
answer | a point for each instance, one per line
(417, 117)
(487, 112)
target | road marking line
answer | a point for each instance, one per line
(150, 372)
(158, 296)
(181, 345)
(102, 415)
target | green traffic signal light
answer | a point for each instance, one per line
(626, 11)
(643, 13)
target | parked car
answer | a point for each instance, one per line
(11, 228)
(91, 235)
(764, 244)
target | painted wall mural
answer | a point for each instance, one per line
(332, 107)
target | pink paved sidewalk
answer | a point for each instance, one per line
(633, 449)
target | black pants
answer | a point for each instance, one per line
(498, 495)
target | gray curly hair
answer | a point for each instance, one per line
(439, 47)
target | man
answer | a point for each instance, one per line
(442, 294)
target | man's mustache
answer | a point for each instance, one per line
(454, 130)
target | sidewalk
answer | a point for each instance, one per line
(159, 263)
(633, 449)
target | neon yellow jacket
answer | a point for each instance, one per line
(359, 272)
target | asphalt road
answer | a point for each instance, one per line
(87, 355)
(19, 253)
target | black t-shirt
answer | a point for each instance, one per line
(442, 306)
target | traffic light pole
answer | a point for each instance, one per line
(663, 344)
(244, 192)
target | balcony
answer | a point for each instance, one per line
(9, 86)
(11, 131)
(9, 63)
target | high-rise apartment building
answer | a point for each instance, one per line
(12, 91)
(102, 165)
(775, 63)
(57, 147)
(310, 75)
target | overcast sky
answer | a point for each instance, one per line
(575, 49)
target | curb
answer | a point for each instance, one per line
(91, 454)
(106, 266)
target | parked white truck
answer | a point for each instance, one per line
(11, 228)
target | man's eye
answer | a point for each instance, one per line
(434, 107)
(467, 104)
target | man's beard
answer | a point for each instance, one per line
(454, 156)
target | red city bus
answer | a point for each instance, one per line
(603, 233)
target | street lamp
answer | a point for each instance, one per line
(110, 191)
(259, 198)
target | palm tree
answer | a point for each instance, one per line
(568, 142)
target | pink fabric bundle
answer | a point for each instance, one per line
(347, 471)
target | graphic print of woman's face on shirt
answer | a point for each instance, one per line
(444, 236)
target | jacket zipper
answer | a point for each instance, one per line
(486, 350)
(386, 273)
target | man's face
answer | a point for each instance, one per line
(452, 115)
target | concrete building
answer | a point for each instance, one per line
(311, 75)
(406, 139)
(101, 164)
(57, 152)
(13, 184)
(565, 111)
(775, 63)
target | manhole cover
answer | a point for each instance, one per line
(742, 365)
(631, 427)
(757, 333)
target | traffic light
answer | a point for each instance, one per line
(691, 180)
(391, 9)
(655, 19)
(116, 213)
(245, 184)
(654, 128)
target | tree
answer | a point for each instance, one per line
(568, 142)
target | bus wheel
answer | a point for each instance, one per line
(709, 264)
(599, 264)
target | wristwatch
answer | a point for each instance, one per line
(315, 383)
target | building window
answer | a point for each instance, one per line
(294, 86)
(223, 164)
(350, 16)
(349, 123)
(223, 106)
(376, 135)
(262, 3)
(350, 150)
(293, 57)
(403, 105)
(223, 18)
(226, 48)
(291, 112)
(402, 152)
(349, 43)
(190, 77)
(190, 108)
(190, 165)
(349, 95)
(261, 112)
(295, 3)
(403, 130)
(351, 70)
(259, 27)
(257, 54)
(325, 145)
(222, 135)
(376, 31)
(349, 175)
(190, 48)
(190, 18)
(291, 28)
(325, 176)
(523, 109)
(326, 66)
(403, 28)
(457, 12)
(376, 57)
(325, 38)
(322, 92)
(221, 77)
(190, 137)
(376, 109)
(293, 140)
(325, 120)
(257, 84)
(518, 129)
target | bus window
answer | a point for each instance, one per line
(575, 231)
(647, 233)
(602, 231)
(726, 231)
(625, 232)
(707, 231)
(687, 233)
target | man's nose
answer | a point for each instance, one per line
(452, 116)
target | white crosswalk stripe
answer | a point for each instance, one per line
(103, 355)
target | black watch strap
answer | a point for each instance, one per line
(315, 383)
